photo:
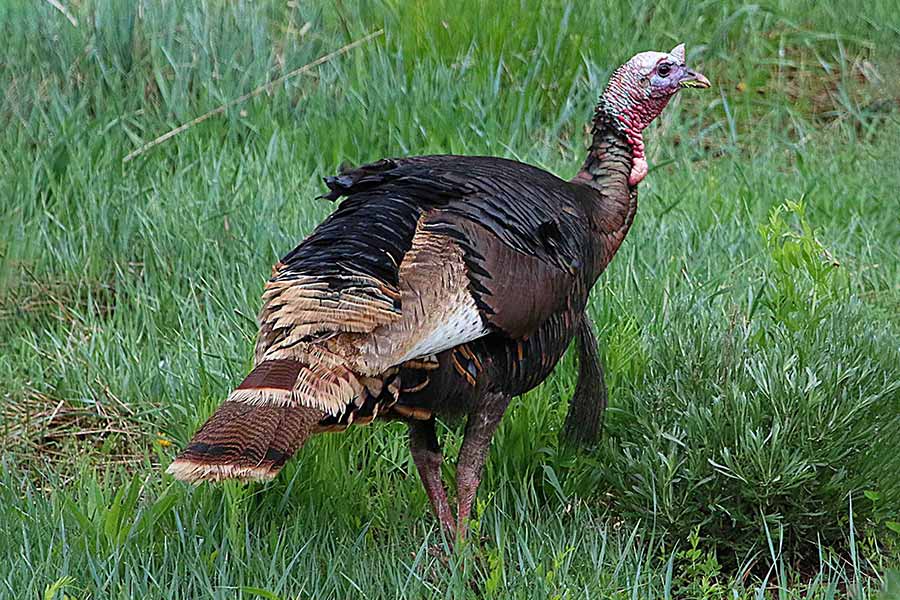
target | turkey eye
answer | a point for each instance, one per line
(663, 70)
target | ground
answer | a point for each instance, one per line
(749, 324)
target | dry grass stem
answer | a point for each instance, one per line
(58, 6)
(268, 86)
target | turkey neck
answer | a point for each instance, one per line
(612, 202)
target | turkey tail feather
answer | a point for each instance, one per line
(246, 442)
(584, 420)
(251, 436)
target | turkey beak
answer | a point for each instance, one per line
(693, 79)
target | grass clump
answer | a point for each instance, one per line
(767, 417)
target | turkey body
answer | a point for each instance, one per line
(440, 286)
(530, 261)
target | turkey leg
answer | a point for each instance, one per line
(480, 428)
(426, 453)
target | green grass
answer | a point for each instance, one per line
(749, 324)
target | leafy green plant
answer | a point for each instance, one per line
(806, 278)
(882, 512)
(56, 590)
(697, 571)
(878, 542)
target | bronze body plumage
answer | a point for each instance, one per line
(441, 285)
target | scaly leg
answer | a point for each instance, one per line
(426, 453)
(480, 428)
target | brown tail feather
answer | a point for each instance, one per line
(265, 421)
(246, 442)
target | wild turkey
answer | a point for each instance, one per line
(441, 285)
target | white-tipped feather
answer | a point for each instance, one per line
(193, 472)
(263, 396)
(330, 397)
